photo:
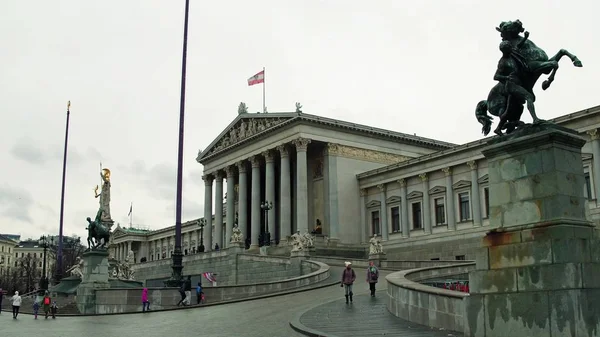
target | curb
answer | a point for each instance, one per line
(303, 329)
(319, 286)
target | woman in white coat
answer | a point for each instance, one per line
(16, 304)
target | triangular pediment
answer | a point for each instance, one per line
(437, 190)
(461, 184)
(393, 199)
(484, 179)
(118, 232)
(414, 195)
(373, 203)
(245, 127)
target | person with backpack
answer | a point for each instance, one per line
(372, 277)
(46, 302)
(199, 293)
(348, 277)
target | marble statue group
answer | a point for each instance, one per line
(99, 228)
(301, 242)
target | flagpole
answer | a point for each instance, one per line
(130, 214)
(264, 80)
(59, 255)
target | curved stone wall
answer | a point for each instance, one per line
(110, 301)
(426, 305)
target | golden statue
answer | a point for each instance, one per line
(104, 195)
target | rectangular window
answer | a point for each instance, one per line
(375, 228)
(396, 219)
(440, 211)
(416, 215)
(486, 201)
(588, 185)
(464, 207)
(435, 259)
(460, 257)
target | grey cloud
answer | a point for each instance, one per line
(190, 210)
(16, 203)
(25, 149)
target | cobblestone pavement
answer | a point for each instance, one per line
(260, 318)
(367, 317)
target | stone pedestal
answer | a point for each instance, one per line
(95, 276)
(377, 258)
(537, 272)
(300, 253)
(235, 248)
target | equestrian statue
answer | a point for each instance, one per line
(521, 65)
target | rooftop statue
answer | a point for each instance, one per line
(521, 65)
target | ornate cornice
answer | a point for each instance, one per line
(301, 143)
(230, 172)
(364, 154)
(594, 134)
(472, 164)
(219, 176)
(242, 166)
(254, 161)
(208, 179)
(423, 176)
(447, 171)
(402, 182)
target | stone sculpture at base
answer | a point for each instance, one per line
(94, 276)
(537, 272)
(77, 268)
(301, 242)
(375, 246)
(236, 235)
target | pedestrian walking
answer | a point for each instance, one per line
(188, 290)
(348, 278)
(16, 304)
(372, 277)
(36, 308)
(145, 302)
(54, 309)
(182, 293)
(46, 302)
(199, 293)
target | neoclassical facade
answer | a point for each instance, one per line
(426, 198)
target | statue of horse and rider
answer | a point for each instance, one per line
(98, 232)
(520, 67)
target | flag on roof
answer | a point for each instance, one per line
(256, 79)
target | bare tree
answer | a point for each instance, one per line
(29, 271)
(72, 249)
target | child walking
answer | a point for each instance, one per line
(54, 309)
(36, 308)
(145, 302)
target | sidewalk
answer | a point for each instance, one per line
(367, 317)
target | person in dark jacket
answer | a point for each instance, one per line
(1, 296)
(348, 277)
(372, 277)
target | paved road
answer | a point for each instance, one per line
(261, 318)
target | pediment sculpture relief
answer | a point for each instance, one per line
(244, 129)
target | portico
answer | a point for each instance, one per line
(305, 165)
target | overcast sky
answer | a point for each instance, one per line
(418, 68)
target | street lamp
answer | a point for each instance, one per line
(45, 242)
(266, 236)
(201, 223)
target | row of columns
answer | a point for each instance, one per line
(426, 209)
(121, 250)
(285, 207)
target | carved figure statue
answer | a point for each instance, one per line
(77, 268)
(242, 108)
(298, 107)
(98, 232)
(104, 195)
(375, 246)
(236, 235)
(308, 240)
(520, 67)
(130, 257)
(297, 242)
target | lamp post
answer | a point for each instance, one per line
(266, 206)
(59, 253)
(45, 242)
(201, 224)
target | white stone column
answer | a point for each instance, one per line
(285, 198)
(197, 241)
(364, 227)
(450, 204)
(302, 184)
(208, 180)
(384, 224)
(243, 199)
(476, 200)
(426, 210)
(255, 202)
(404, 210)
(270, 190)
(219, 210)
(595, 140)
(230, 217)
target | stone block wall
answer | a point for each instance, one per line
(258, 269)
(447, 247)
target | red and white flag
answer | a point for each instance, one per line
(256, 79)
